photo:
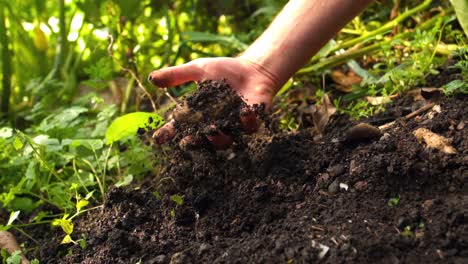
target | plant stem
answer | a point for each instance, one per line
(388, 26)
(355, 53)
(6, 62)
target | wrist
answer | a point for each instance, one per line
(272, 79)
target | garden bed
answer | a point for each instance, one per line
(280, 197)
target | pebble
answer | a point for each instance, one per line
(160, 259)
(360, 186)
(427, 205)
(204, 247)
(179, 258)
(334, 186)
(336, 170)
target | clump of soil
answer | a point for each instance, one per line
(212, 108)
(285, 197)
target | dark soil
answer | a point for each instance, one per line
(212, 109)
(285, 198)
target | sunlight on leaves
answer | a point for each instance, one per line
(129, 124)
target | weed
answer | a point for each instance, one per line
(394, 201)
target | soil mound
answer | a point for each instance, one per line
(285, 197)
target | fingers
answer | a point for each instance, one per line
(219, 140)
(165, 133)
(176, 75)
(249, 120)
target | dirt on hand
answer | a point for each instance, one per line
(214, 108)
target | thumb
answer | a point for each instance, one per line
(176, 75)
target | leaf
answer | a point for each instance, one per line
(461, 10)
(6, 132)
(321, 113)
(394, 201)
(456, 86)
(91, 144)
(126, 181)
(178, 199)
(230, 41)
(81, 204)
(129, 124)
(65, 224)
(13, 217)
(14, 258)
(67, 240)
(345, 81)
(18, 144)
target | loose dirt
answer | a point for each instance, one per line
(285, 198)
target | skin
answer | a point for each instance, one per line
(295, 35)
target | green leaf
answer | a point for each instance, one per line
(126, 181)
(81, 204)
(456, 86)
(14, 258)
(66, 240)
(394, 201)
(18, 144)
(129, 124)
(65, 223)
(178, 199)
(13, 217)
(6, 132)
(461, 9)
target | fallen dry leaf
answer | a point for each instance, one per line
(362, 132)
(321, 113)
(434, 140)
(345, 81)
(8, 242)
(378, 100)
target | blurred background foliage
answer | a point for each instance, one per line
(70, 67)
(59, 49)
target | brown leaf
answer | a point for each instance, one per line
(321, 113)
(345, 81)
(431, 93)
(434, 140)
(9, 243)
(362, 132)
(378, 100)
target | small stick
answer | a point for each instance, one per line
(408, 116)
(317, 228)
(171, 97)
(140, 84)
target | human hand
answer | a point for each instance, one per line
(250, 80)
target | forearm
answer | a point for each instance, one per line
(298, 32)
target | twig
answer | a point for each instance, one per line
(408, 116)
(140, 84)
(170, 96)
(317, 228)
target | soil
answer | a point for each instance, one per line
(287, 198)
(212, 109)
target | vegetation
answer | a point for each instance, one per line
(70, 68)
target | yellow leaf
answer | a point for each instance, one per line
(40, 39)
(66, 240)
(81, 203)
(65, 224)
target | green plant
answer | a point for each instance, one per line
(392, 202)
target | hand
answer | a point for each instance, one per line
(250, 80)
